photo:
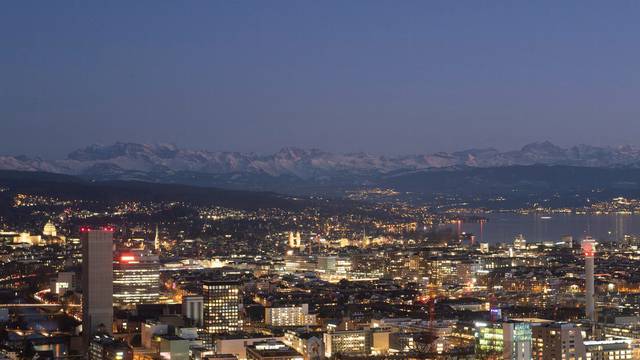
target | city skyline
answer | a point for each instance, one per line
(305, 180)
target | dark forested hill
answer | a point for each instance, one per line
(71, 187)
(535, 178)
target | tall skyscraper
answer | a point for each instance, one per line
(136, 277)
(589, 251)
(221, 307)
(97, 281)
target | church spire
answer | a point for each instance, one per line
(156, 240)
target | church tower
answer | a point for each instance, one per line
(292, 240)
(156, 240)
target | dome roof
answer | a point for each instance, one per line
(49, 229)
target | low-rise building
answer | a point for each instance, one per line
(608, 350)
(271, 350)
(309, 344)
(174, 347)
(284, 316)
(104, 347)
(354, 342)
(236, 344)
(511, 339)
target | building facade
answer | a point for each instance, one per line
(558, 341)
(356, 342)
(97, 282)
(105, 347)
(609, 350)
(192, 309)
(271, 350)
(510, 339)
(136, 278)
(221, 301)
(289, 316)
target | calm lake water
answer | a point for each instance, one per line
(502, 228)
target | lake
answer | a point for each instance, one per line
(503, 227)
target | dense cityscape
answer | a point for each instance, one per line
(319, 180)
(376, 279)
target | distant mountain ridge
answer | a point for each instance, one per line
(312, 171)
(168, 163)
(132, 158)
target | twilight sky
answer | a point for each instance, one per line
(361, 75)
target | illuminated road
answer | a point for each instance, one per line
(34, 305)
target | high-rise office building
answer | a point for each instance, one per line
(221, 307)
(557, 341)
(589, 251)
(136, 277)
(97, 281)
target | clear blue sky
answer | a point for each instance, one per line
(378, 76)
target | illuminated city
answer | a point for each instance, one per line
(295, 180)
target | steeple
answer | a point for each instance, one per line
(156, 240)
(365, 239)
(298, 240)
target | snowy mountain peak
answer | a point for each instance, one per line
(125, 159)
(545, 147)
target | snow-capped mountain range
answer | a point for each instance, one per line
(142, 161)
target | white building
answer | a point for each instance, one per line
(355, 342)
(309, 344)
(289, 316)
(192, 308)
(151, 330)
(237, 345)
(64, 282)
